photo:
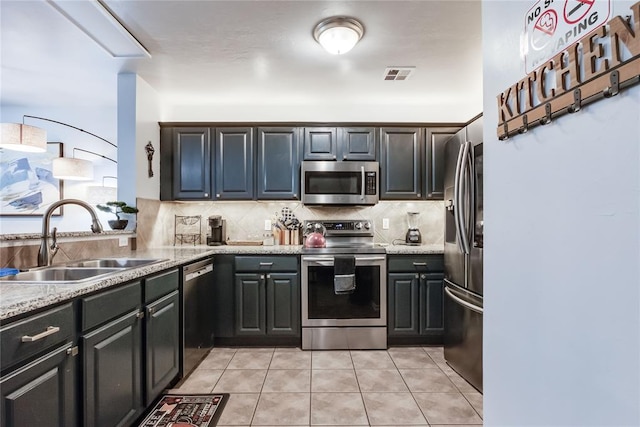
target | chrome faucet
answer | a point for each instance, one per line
(43, 254)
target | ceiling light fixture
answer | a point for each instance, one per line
(338, 34)
(21, 137)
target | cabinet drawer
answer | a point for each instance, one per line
(423, 263)
(272, 263)
(160, 285)
(105, 306)
(27, 337)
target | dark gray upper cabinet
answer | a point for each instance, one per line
(278, 169)
(320, 143)
(401, 163)
(434, 176)
(357, 143)
(191, 165)
(234, 152)
(344, 143)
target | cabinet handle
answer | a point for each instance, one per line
(419, 195)
(73, 351)
(423, 276)
(50, 331)
(140, 314)
(206, 194)
(268, 276)
(218, 196)
(151, 311)
(266, 264)
(417, 276)
(344, 157)
(419, 264)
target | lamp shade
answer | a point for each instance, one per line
(72, 169)
(20, 137)
(339, 34)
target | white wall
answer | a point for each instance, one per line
(562, 247)
(98, 120)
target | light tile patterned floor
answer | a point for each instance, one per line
(292, 387)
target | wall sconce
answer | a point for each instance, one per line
(74, 169)
(21, 137)
(338, 34)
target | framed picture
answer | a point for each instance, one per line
(27, 185)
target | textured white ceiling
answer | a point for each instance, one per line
(251, 53)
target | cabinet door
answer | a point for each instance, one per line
(42, 393)
(234, 164)
(320, 144)
(112, 373)
(432, 305)
(278, 163)
(401, 160)
(403, 304)
(162, 328)
(434, 176)
(357, 143)
(250, 304)
(283, 304)
(191, 163)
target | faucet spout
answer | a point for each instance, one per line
(43, 254)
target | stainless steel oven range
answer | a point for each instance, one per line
(335, 318)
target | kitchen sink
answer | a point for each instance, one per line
(112, 263)
(60, 274)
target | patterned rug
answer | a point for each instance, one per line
(186, 410)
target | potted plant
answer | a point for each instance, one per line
(117, 208)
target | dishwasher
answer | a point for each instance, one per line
(197, 315)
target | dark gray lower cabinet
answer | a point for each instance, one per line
(267, 304)
(162, 339)
(43, 393)
(112, 372)
(415, 299)
(267, 299)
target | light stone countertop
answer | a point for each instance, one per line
(19, 298)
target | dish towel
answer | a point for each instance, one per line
(344, 274)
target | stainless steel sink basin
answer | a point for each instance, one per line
(112, 263)
(60, 274)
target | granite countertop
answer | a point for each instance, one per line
(16, 298)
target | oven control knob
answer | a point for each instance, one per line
(358, 225)
(367, 225)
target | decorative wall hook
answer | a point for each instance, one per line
(525, 125)
(613, 90)
(505, 136)
(577, 102)
(150, 150)
(547, 118)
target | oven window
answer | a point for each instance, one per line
(363, 303)
(332, 182)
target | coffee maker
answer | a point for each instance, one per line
(218, 231)
(413, 236)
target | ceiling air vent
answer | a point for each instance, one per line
(398, 73)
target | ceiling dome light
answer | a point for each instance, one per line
(338, 34)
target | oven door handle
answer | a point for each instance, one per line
(329, 261)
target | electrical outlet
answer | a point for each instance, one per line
(123, 241)
(267, 225)
(385, 223)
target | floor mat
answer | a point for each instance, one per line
(186, 410)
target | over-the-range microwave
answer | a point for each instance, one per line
(339, 183)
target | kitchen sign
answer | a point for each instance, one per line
(552, 25)
(598, 65)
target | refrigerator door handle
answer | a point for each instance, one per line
(463, 302)
(469, 193)
(457, 207)
(463, 197)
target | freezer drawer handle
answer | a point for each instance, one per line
(463, 302)
(49, 331)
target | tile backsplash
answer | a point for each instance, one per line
(245, 219)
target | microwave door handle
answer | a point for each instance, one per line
(362, 183)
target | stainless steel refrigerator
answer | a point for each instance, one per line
(463, 253)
